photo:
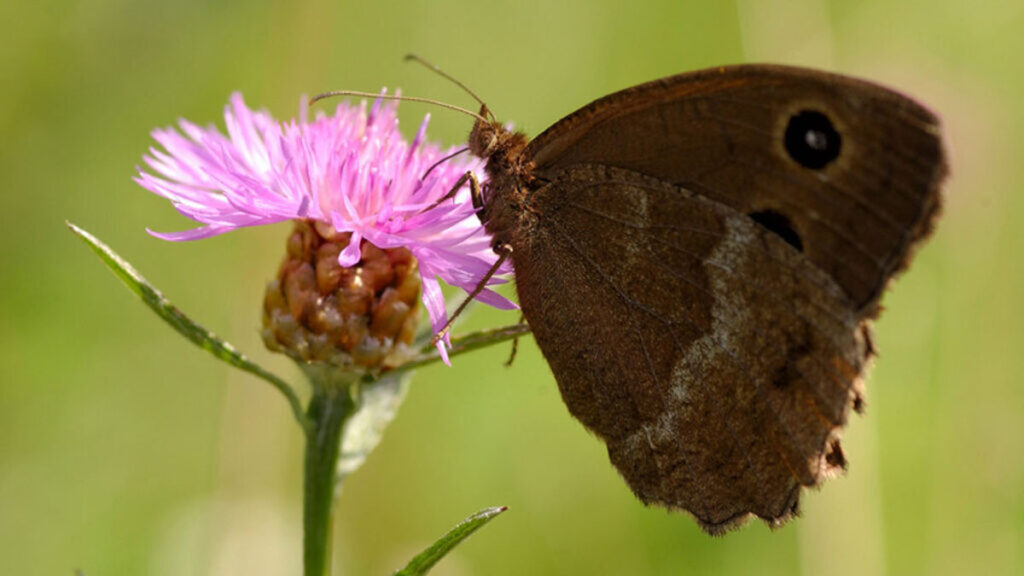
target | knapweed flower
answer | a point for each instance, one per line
(365, 217)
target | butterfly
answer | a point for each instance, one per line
(700, 258)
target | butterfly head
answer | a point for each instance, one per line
(485, 135)
(489, 139)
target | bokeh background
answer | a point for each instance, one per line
(125, 450)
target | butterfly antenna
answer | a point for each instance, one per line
(451, 78)
(335, 93)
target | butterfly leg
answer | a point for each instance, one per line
(476, 195)
(515, 344)
(503, 251)
(474, 186)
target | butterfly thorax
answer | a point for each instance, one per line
(504, 193)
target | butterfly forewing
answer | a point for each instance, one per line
(846, 170)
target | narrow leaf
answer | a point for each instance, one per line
(466, 343)
(183, 324)
(423, 562)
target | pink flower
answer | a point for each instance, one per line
(352, 170)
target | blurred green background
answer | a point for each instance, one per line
(125, 450)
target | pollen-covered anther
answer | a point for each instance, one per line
(363, 315)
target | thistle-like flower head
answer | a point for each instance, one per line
(351, 175)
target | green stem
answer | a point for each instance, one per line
(330, 407)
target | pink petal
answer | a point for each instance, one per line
(351, 255)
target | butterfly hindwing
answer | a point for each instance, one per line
(715, 361)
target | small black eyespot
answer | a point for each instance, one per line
(812, 140)
(781, 226)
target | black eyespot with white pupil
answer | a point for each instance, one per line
(811, 140)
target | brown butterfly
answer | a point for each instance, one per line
(699, 259)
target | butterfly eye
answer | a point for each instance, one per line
(780, 225)
(812, 140)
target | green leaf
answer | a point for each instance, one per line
(378, 405)
(183, 324)
(423, 562)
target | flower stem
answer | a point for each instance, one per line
(329, 409)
